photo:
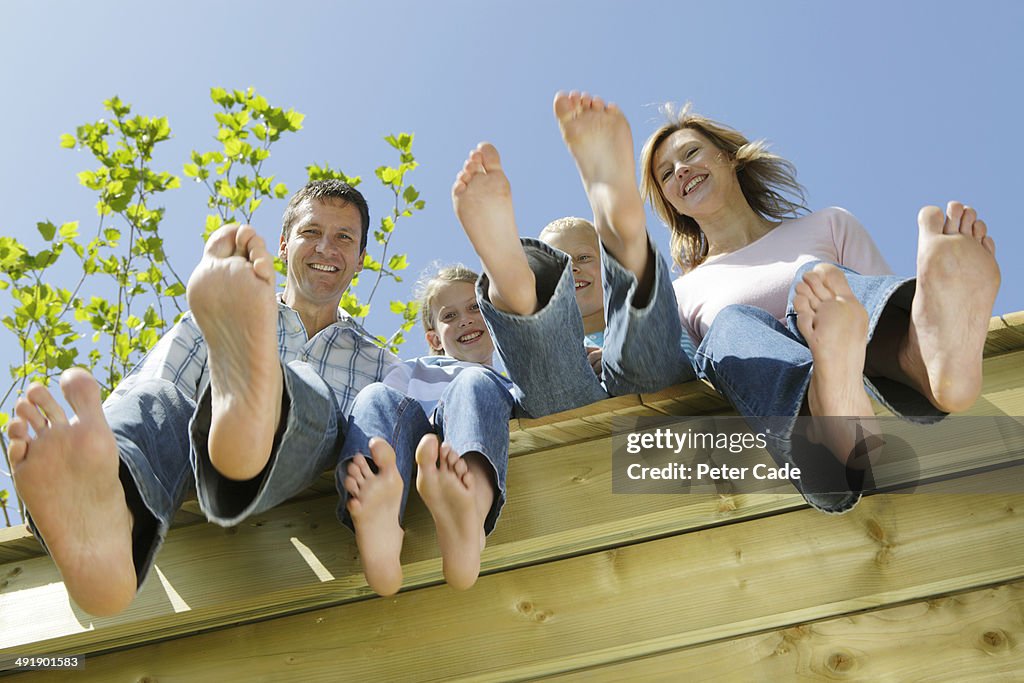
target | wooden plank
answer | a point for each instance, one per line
(975, 635)
(258, 570)
(629, 602)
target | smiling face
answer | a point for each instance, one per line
(581, 244)
(459, 329)
(695, 177)
(323, 254)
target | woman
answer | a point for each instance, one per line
(799, 314)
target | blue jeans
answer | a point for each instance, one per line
(544, 352)
(152, 425)
(764, 368)
(472, 416)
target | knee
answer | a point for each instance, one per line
(477, 382)
(377, 396)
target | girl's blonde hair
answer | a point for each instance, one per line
(764, 178)
(430, 284)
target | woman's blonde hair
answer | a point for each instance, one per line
(764, 178)
(430, 284)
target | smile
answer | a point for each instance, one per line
(323, 267)
(470, 337)
(580, 284)
(693, 183)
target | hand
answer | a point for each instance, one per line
(594, 356)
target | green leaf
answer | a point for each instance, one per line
(4, 419)
(47, 230)
(397, 307)
(177, 289)
(191, 170)
(410, 195)
(220, 96)
(69, 231)
(398, 262)
(67, 141)
(280, 190)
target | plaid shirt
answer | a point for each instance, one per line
(342, 353)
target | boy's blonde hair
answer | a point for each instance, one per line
(566, 224)
(430, 284)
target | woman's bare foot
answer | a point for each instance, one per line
(450, 491)
(957, 282)
(375, 503)
(67, 475)
(482, 198)
(598, 136)
(835, 326)
(231, 294)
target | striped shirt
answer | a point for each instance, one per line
(343, 353)
(425, 379)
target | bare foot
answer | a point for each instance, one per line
(598, 136)
(450, 492)
(375, 503)
(231, 294)
(482, 198)
(67, 475)
(957, 282)
(835, 326)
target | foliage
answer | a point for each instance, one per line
(59, 327)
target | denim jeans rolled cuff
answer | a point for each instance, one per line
(879, 294)
(379, 410)
(643, 352)
(472, 416)
(825, 483)
(543, 352)
(306, 448)
(150, 426)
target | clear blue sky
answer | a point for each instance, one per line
(882, 106)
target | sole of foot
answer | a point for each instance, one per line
(231, 294)
(957, 282)
(599, 139)
(482, 199)
(67, 476)
(375, 503)
(448, 489)
(835, 326)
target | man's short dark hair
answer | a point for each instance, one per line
(328, 191)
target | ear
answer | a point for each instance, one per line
(362, 259)
(282, 249)
(434, 340)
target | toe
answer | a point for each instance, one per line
(427, 452)
(954, 212)
(47, 405)
(967, 221)
(989, 244)
(28, 412)
(221, 243)
(83, 395)
(931, 219)
(352, 486)
(382, 452)
(979, 230)
(489, 156)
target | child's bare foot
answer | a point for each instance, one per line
(482, 198)
(957, 282)
(598, 136)
(835, 326)
(67, 475)
(231, 294)
(375, 503)
(450, 492)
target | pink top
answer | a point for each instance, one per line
(761, 273)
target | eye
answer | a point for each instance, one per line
(448, 316)
(666, 175)
(584, 258)
(475, 307)
(692, 152)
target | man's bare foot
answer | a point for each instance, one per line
(835, 326)
(67, 475)
(482, 198)
(450, 491)
(375, 502)
(957, 282)
(598, 136)
(231, 294)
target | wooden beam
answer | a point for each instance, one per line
(974, 635)
(629, 602)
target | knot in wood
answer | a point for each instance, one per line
(995, 640)
(525, 606)
(840, 663)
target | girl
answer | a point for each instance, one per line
(462, 478)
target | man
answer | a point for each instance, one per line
(243, 396)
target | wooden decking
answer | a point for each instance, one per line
(581, 583)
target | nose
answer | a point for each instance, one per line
(682, 169)
(323, 245)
